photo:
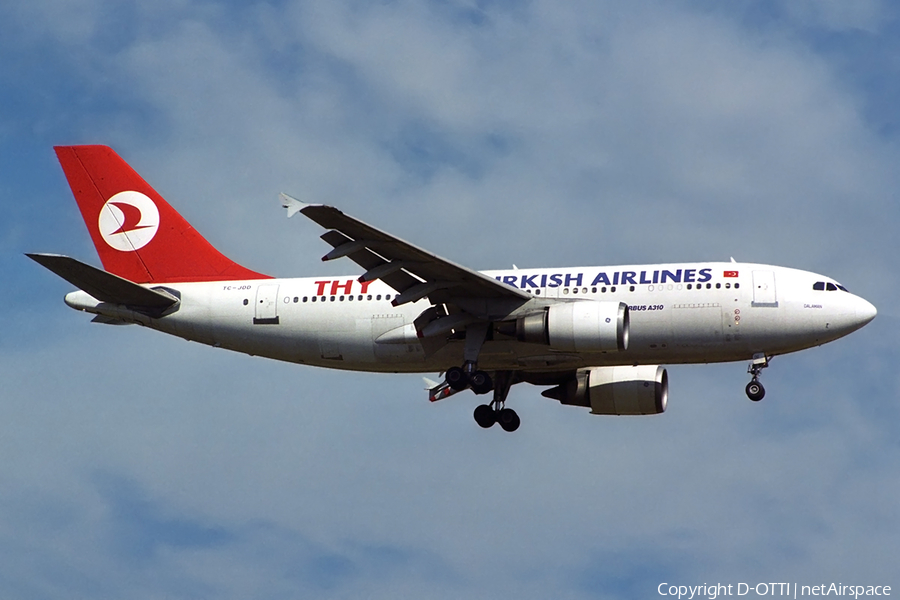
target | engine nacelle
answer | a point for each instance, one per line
(579, 326)
(642, 390)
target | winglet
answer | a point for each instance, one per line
(292, 205)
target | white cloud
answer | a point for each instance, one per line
(866, 15)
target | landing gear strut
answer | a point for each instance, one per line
(755, 390)
(496, 412)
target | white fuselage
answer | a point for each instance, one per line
(680, 313)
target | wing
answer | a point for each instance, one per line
(415, 273)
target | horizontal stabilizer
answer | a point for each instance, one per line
(104, 286)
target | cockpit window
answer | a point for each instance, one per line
(822, 286)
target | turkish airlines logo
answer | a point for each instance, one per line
(128, 221)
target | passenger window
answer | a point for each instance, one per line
(305, 298)
(631, 288)
(718, 286)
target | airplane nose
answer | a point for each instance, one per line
(865, 311)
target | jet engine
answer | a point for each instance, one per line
(642, 390)
(580, 326)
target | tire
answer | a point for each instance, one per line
(481, 382)
(508, 420)
(755, 391)
(457, 378)
(485, 416)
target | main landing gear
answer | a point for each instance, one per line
(468, 376)
(459, 378)
(755, 390)
(486, 415)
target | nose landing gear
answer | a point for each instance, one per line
(755, 390)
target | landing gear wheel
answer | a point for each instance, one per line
(485, 416)
(481, 382)
(755, 391)
(457, 378)
(508, 419)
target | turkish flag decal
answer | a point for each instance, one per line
(730, 274)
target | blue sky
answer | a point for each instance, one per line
(492, 133)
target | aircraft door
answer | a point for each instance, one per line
(764, 289)
(550, 292)
(266, 305)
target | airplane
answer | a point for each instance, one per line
(595, 337)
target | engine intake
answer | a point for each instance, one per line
(580, 326)
(642, 390)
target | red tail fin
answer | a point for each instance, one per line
(137, 234)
